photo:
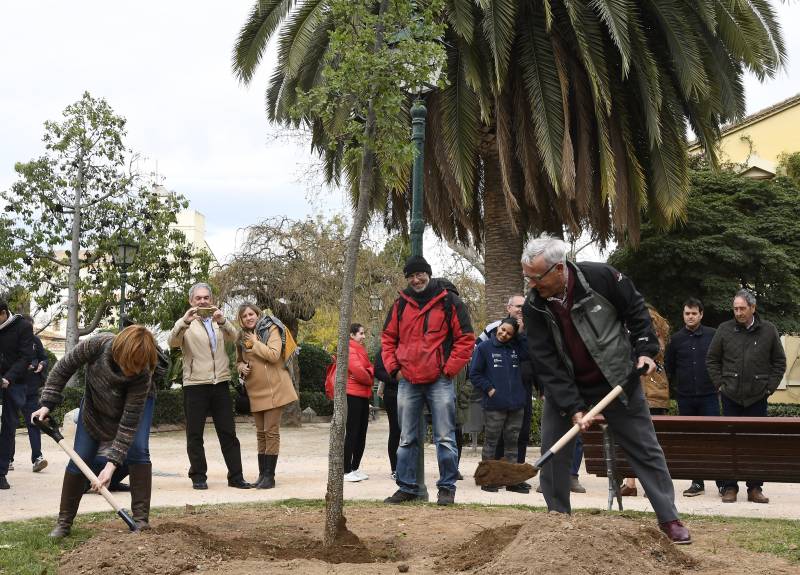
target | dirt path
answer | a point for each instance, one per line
(302, 473)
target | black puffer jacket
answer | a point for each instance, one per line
(16, 349)
(746, 365)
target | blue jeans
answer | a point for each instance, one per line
(13, 402)
(441, 400)
(698, 404)
(138, 452)
(731, 408)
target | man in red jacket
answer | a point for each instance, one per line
(427, 339)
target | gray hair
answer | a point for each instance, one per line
(747, 296)
(511, 298)
(201, 285)
(553, 249)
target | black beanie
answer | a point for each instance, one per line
(416, 264)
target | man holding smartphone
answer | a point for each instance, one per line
(201, 334)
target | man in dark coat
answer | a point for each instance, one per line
(16, 353)
(589, 331)
(746, 362)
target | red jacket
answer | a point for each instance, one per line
(360, 373)
(421, 344)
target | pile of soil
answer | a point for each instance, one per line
(415, 539)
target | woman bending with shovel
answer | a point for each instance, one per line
(118, 374)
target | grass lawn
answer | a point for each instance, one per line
(25, 548)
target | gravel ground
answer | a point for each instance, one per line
(302, 473)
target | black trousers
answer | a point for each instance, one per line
(199, 401)
(355, 436)
(524, 431)
(390, 402)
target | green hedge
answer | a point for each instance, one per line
(313, 361)
(317, 401)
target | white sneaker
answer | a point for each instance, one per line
(39, 464)
(352, 477)
(360, 474)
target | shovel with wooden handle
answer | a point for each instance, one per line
(498, 472)
(50, 427)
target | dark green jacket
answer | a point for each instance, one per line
(614, 324)
(746, 365)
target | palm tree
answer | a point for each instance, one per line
(557, 114)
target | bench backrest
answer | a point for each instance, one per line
(742, 448)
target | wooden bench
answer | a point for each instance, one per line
(741, 448)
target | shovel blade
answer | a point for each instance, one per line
(498, 472)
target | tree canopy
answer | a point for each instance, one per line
(738, 233)
(553, 115)
(68, 209)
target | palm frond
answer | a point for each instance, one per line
(261, 23)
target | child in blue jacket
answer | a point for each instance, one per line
(495, 370)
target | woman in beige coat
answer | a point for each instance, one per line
(262, 365)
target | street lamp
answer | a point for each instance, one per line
(123, 259)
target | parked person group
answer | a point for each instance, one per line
(582, 329)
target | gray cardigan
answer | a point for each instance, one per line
(112, 403)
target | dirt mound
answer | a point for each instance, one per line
(198, 542)
(422, 539)
(499, 472)
(588, 545)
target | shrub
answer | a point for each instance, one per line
(169, 407)
(313, 361)
(783, 410)
(317, 401)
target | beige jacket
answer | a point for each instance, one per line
(200, 367)
(269, 384)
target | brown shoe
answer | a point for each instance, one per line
(756, 496)
(626, 491)
(729, 495)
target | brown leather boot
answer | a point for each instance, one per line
(729, 495)
(71, 492)
(141, 487)
(756, 495)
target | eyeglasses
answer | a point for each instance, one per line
(416, 276)
(539, 277)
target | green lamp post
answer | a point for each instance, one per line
(123, 259)
(418, 117)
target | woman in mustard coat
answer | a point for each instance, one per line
(262, 363)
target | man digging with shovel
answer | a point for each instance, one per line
(588, 329)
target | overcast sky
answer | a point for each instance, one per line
(165, 66)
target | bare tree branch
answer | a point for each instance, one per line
(470, 254)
